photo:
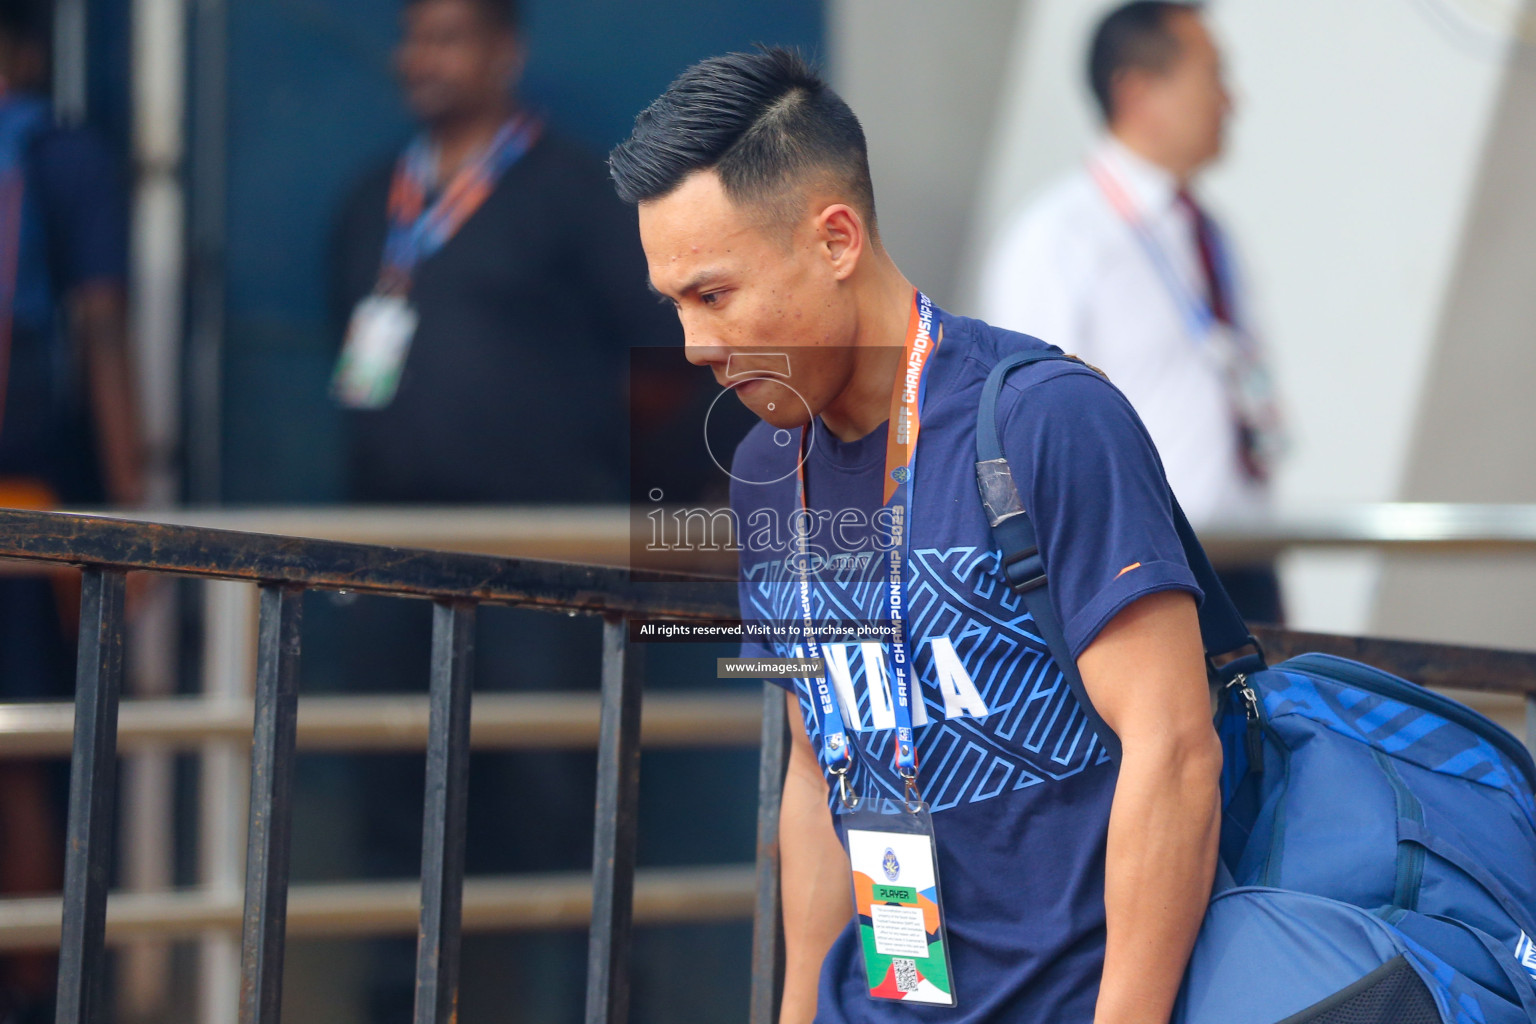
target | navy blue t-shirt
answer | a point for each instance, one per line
(1019, 785)
(84, 206)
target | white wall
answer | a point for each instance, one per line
(1475, 432)
(924, 79)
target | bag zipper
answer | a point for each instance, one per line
(1253, 738)
(1410, 855)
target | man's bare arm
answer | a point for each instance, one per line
(1145, 674)
(818, 900)
(99, 319)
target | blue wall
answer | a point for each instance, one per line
(313, 103)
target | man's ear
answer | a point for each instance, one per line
(1128, 91)
(842, 238)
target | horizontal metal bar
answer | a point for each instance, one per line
(1441, 666)
(593, 534)
(506, 903)
(1425, 527)
(601, 533)
(501, 721)
(70, 539)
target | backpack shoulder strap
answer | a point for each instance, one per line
(1221, 627)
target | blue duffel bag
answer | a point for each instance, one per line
(1378, 848)
(1275, 956)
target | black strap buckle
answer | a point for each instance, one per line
(1239, 662)
(1025, 571)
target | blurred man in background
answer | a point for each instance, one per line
(1119, 264)
(69, 431)
(490, 285)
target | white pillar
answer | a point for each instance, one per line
(229, 674)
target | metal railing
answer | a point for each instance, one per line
(444, 904)
(283, 568)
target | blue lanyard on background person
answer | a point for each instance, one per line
(903, 429)
(1199, 318)
(417, 230)
(1249, 390)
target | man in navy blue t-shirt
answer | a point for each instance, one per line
(1072, 886)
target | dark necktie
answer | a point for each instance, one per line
(1220, 308)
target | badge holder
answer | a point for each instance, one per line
(373, 357)
(896, 893)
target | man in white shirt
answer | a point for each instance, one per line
(1118, 264)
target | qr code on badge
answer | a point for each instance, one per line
(906, 974)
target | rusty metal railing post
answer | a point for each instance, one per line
(613, 847)
(92, 792)
(445, 818)
(269, 834)
(767, 933)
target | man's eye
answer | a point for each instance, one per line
(711, 298)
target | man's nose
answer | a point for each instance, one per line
(701, 349)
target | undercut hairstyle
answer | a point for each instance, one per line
(764, 121)
(1138, 35)
(503, 14)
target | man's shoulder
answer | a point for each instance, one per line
(560, 148)
(369, 189)
(984, 346)
(1056, 237)
(980, 346)
(1059, 209)
(561, 158)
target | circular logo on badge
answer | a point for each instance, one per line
(899, 474)
(890, 864)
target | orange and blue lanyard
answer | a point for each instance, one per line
(417, 229)
(899, 482)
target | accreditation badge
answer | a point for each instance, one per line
(1250, 391)
(378, 340)
(896, 891)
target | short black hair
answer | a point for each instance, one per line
(506, 14)
(762, 120)
(1134, 35)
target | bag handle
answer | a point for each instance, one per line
(1222, 629)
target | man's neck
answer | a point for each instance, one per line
(884, 311)
(1149, 148)
(458, 139)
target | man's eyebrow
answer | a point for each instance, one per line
(697, 283)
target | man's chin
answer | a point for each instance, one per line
(773, 402)
(431, 105)
(789, 415)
